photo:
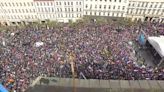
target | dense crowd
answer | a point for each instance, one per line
(99, 52)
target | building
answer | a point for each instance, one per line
(112, 8)
(18, 11)
(146, 10)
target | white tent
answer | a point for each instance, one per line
(158, 44)
(38, 44)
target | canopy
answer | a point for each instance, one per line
(3, 89)
(158, 44)
(38, 44)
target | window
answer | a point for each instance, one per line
(19, 11)
(119, 0)
(14, 4)
(118, 7)
(58, 9)
(156, 5)
(95, 13)
(77, 9)
(76, 3)
(146, 4)
(2, 4)
(86, 6)
(24, 4)
(61, 9)
(143, 4)
(117, 15)
(15, 10)
(28, 4)
(133, 5)
(64, 3)
(26, 10)
(105, 0)
(5, 4)
(104, 6)
(90, 6)
(66, 9)
(60, 3)
(90, 13)
(71, 3)
(68, 3)
(80, 9)
(56, 3)
(32, 4)
(79, 3)
(151, 5)
(72, 9)
(138, 4)
(95, 6)
(115, 0)
(23, 10)
(9, 4)
(113, 7)
(121, 14)
(109, 7)
(123, 7)
(100, 6)
(160, 5)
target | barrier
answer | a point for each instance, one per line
(93, 85)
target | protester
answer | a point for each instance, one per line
(99, 52)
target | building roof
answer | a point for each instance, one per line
(148, 0)
(158, 44)
(43, 0)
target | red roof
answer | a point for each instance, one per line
(43, 0)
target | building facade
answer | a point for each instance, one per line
(17, 11)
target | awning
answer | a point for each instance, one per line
(158, 44)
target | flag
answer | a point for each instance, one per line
(141, 39)
(3, 89)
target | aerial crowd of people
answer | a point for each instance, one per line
(98, 51)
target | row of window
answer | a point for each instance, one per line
(68, 3)
(38, 4)
(105, 7)
(43, 16)
(17, 4)
(42, 10)
(108, 0)
(69, 10)
(69, 15)
(105, 14)
(19, 10)
(146, 4)
(143, 11)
